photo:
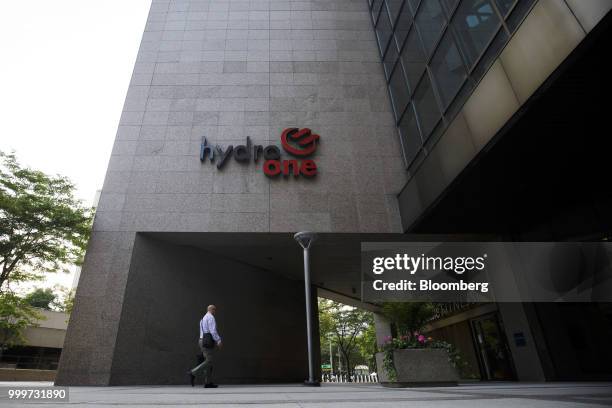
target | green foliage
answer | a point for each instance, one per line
(326, 323)
(43, 227)
(389, 365)
(41, 298)
(347, 326)
(367, 346)
(418, 340)
(408, 317)
(15, 315)
(68, 303)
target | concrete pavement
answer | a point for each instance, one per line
(490, 395)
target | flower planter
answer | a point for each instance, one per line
(418, 367)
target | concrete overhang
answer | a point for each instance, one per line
(335, 257)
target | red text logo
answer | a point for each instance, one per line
(299, 142)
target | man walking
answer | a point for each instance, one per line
(209, 338)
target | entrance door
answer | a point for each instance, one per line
(493, 351)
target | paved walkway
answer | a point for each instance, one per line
(543, 395)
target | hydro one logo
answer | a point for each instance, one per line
(306, 141)
(300, 143)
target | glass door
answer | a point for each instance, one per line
(493, 352)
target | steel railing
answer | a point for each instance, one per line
(345, 378)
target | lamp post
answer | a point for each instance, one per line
(330, 337)
(305, 239)
(331, 356)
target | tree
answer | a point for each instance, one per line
(408, 317)
(346, 323)
(15, 316)
(68, 303)
(367, 346)
(43, 227)
(41, 298)
(325, 331)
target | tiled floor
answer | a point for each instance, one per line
(553, 395)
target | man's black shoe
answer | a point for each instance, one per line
(191, 378)
(211, 385)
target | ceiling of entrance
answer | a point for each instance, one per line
(335, 258)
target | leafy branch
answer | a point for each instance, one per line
(43, 227)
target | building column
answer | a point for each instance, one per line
(524, 353)
(382, 327)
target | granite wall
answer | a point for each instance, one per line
(226, 70)
(260, 317)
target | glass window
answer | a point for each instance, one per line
(449, 5)
(390, 58)
(475, 24)
(462, 96)
(426, 107)
(434, 52)
(505, 6)
(409, 132)
(399, 90)
(414, 4)
(413, 58)
(402, 27)
(429, 21)
(490, 54)
(375, 9)
(394, 8)
(518, 14)
(383, 30)
(447, 69)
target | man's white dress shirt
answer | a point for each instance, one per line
(208, 324)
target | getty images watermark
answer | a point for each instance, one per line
(486, 271)
(413, 264)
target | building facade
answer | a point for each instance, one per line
(226, 96)
(173, 233)
(500, 108)
(38, 357)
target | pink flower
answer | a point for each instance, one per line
(421, 338)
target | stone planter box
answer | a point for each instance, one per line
(418, 367)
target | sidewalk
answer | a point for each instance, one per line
(545, 395)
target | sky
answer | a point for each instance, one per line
(65, 66)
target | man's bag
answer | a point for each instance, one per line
(208, 341)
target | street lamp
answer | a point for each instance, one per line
(331, 353)
(305, 239)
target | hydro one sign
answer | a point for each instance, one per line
(299, 143)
